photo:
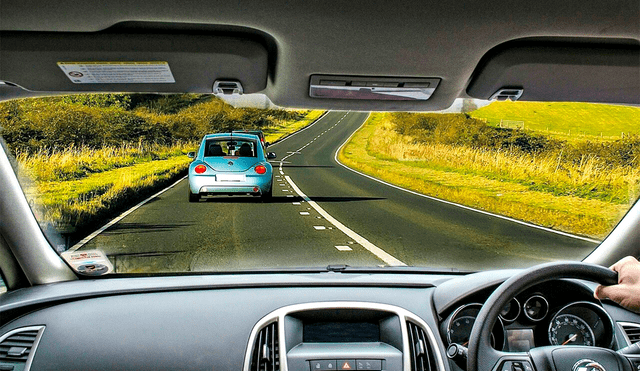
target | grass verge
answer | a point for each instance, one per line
(273, 134)
(524, 187)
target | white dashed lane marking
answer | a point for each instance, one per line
(375, 250)
(381, 254)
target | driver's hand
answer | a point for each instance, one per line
(627, 291)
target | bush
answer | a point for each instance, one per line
(459, 129)
(107, 120)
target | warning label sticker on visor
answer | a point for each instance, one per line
(117, 72)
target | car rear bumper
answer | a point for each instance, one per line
(204, 185)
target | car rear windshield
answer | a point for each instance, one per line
(230, 147)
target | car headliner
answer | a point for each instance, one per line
(408, 38)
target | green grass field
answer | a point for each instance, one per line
(566, 120)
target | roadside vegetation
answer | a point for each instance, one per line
(578, 186)
(82, 158)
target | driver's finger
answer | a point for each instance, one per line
(615, 292)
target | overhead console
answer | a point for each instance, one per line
(342, 336)
(372, 88)
(136, 57)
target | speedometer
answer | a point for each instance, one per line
(567, 329)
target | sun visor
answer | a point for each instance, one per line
(137, 61)
(543, 70)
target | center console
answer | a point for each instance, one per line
(342, 336)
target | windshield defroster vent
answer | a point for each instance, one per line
(18, 346)
(421, 354)
(266, 350)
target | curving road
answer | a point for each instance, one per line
(322, 213)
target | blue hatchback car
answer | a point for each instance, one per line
(230, 164)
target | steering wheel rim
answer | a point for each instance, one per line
(481, 356)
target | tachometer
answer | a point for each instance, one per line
(567, 329)
(460, 322)
(460, 329)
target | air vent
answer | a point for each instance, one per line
(266, 351)
(17, 345)
(632, 330)
(421, 354)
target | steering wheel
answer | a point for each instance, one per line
(482, 356)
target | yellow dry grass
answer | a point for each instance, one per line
(533, 189)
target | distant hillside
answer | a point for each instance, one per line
(564, 119)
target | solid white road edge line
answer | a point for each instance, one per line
(120, 217)
(453, 203)
(375, 250)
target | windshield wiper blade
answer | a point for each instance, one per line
(393, 269)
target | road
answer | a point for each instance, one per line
(345, 218)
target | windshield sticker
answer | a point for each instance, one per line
(117, 72)
(90, 262)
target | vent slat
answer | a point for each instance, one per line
(22, 337)
(10, 343)
(272, 341)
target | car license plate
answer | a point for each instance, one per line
(230, 177)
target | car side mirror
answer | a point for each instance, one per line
(191, 155)
(271, 155)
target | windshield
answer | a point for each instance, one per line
(144, 183)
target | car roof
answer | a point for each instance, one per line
(230, 135)
(554, 50)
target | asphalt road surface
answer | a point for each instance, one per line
(322, 213)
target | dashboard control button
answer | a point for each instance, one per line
(527, 366)
(349, 364)
(369, 364)
(506, 366)
(323, 365)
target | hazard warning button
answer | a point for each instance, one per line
(346, 364)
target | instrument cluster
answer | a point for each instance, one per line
(535, 319)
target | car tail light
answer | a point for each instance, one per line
(200, 169)
(261, 169)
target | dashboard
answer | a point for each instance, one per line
(315, 321)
